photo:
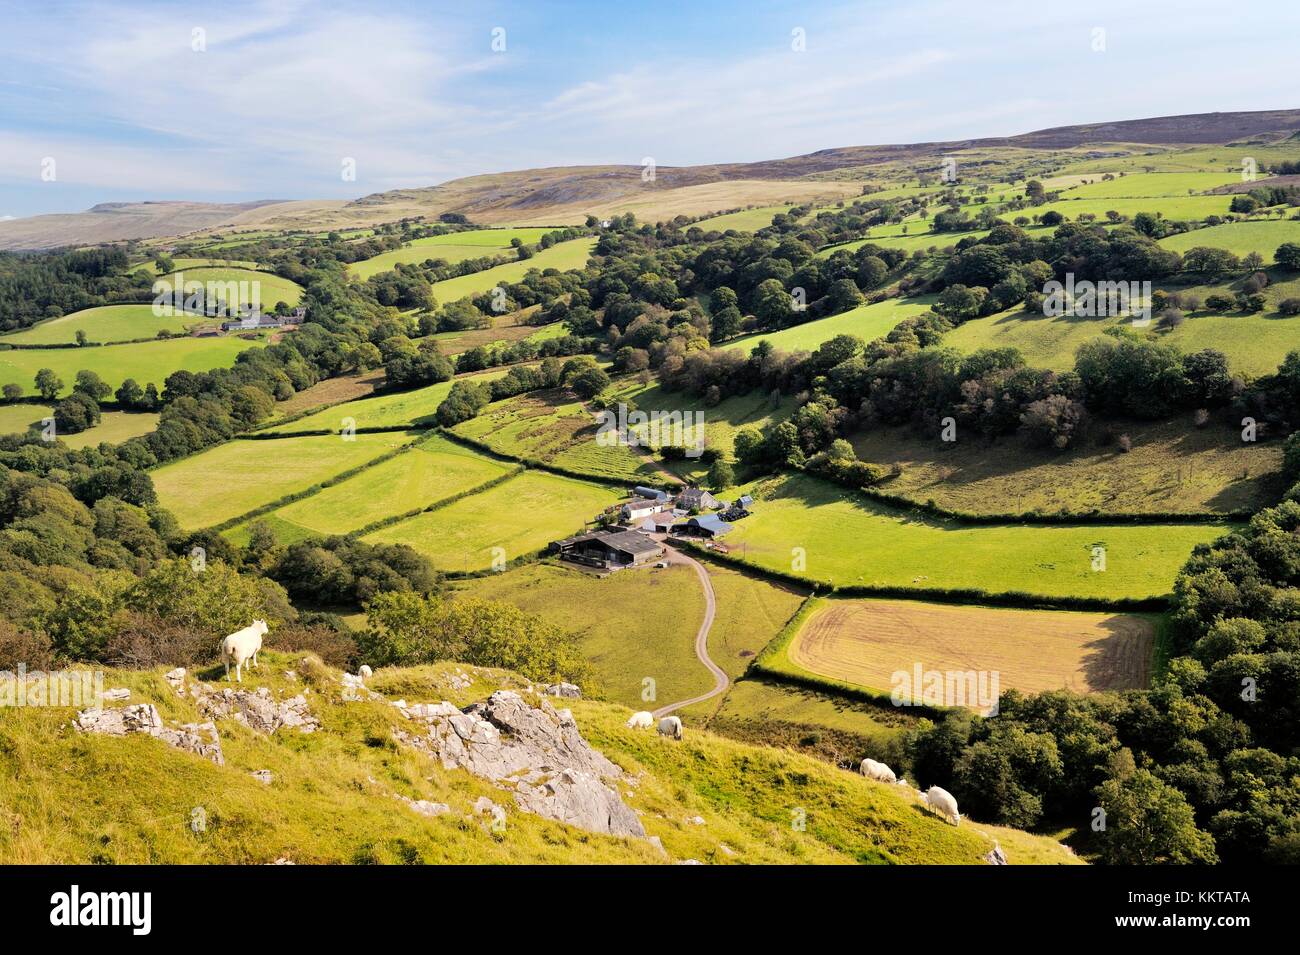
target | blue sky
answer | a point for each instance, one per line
(413, 92)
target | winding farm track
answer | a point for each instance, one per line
(721, 682)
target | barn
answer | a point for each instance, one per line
(706, 525)
(609, 549)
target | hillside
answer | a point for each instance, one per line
(567, 194)
(351, 790)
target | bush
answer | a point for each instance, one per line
(1289, 306)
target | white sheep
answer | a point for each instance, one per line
(670, 726)
(365, 672)
(877, 771)
(942, 802)
(641, 721)
(242, 646)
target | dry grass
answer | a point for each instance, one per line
(865, 642)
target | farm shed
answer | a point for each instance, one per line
(706, 525)
(650, 493)
(638, 508)
(609, 549)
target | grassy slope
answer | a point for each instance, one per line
(1240, 238)
(563, 256)
(746, 220)
(632, 625)
(519, 516)
(114, 427)
(432, 471)
(236, 477)
(455, 247)
(107, 323)
(267, 288)
(332, 798)
(850, 541)
(868, 322)
(1173, 467)
(145, 362)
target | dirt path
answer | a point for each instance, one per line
(721, 682)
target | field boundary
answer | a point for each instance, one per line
(534, 463)
(389, 521)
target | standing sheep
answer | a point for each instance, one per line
(241, 647)
(641, 721)
(877, 771)
(942, 802)
(670, 726)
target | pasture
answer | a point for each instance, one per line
(868, 322)
(868, 643)
(144, 361)
(632, 626)
(453, 247)
(511, 520)
(1240, 238)
(1152, 185)
(562, 256)
(237, 288)
(234, 478)
(105, 323)
(746, 220)
(1173, 467)
(431, 471)
(114, 427)
(17, 418)
(822, 532)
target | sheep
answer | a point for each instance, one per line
(641, 721)
(241, 646)
(670, 726)
(942, 802)
(365, 672)
(877, 771)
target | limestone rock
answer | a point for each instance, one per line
(176, 680)
(566, 690)
(198, 738)
(534, 751)
(257, 709)
(996, 856)
(117, 695)
(426, 808)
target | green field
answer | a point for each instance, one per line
(746, 220)
(267, 289)
(848, 541)
(1191, 208)
(15, 419)
(454, 247)
(107, 323)
(1173, 467)
(144, 361)
(1151, 185)
(415, 407)
(868, 322)
(234, 478)
(632, 625)
(563, 256)
(433, 470)
(114, 427)
(520, 516)
(1240, 238)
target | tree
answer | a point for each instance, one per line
(48, 384)
(1287, 256)
(1149, 822)
(89, 383)
(13, 391)
(81, 336)
(721, 475)
(871, 272)
(589, 382)
(77, 412)
(129, 394)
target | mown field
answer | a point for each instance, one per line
(632, 625)
(431, 471)
(563, 256)
(848, 541)
(746, 220)
(144, 361)
(868, 643)
(868, 322)
(114, 427)
(454, 247)
(15, 419)
(249, 286)
(1173, 467)
(234, 478)
(520, 516)
(107, 323)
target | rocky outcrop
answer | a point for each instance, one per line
(256, 709)
(536, 752)
(996, 856)
(198, 738)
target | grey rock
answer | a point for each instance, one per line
(996, 856)
(198, 738)
(534, 751)
(567, 690)
(426, 808)
(176, 679)
(257, 710)
(263, 776)
(117, 695)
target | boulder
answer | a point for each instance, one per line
(566, 690)
(176, 680)
(426, 808)
(996, 856)
(534, 751)
(198, 738)
(256, 709)
(117, 695)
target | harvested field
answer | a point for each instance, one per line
(865, 642)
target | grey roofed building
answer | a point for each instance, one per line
(650, 492)
(694, 498)
(706, 525)
(611, 549)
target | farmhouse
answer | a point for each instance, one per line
(255, 319)
(609, 549)
(695, 499)
(638, 508)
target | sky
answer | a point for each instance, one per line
(235, 101)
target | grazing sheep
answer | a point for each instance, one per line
(877, 771)
(365, 672)
(943, 803)
(641, 721)
(670, 726)
(241, 647)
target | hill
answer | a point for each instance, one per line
(567, 194)
(351, 777)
